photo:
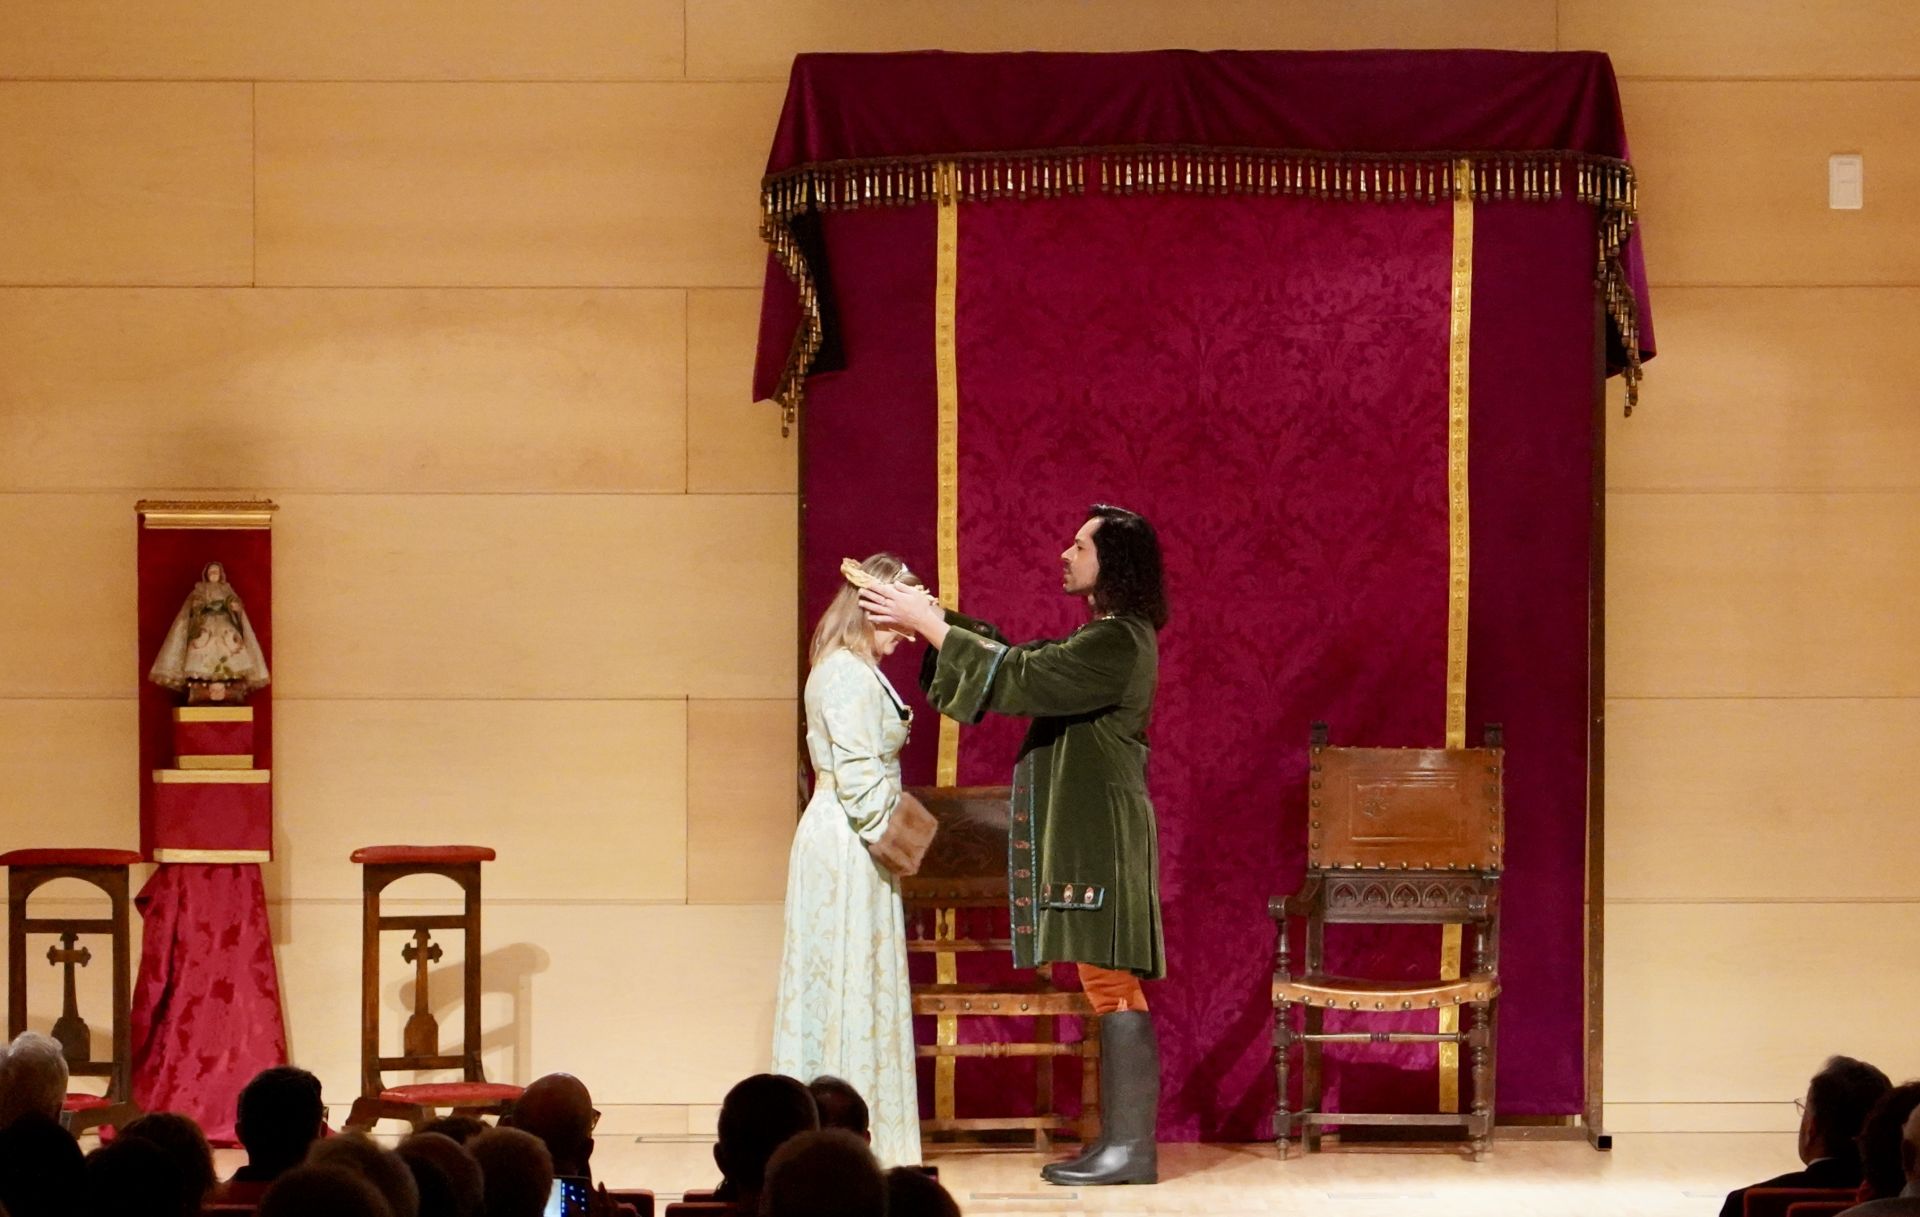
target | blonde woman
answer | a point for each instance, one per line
(843, 1007)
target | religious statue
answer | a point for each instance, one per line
(211, 651)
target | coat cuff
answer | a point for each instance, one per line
(962, 677)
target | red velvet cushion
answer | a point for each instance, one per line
(451, 1094)
(71, 857)
(84, 1102)
(425, 854)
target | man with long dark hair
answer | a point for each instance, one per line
(1084, 854)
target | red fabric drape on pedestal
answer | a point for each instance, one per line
(206, 1013)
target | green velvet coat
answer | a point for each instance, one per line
(1083, 863)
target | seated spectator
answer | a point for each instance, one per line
(914, 1193)
(279, 1118)
(446, 1174)
(181, 1140)
(33, 1078)
(841, 1106)
(41, 1168)
(827, 1173)
(322, 1191)
(517, 1169)
(558, 1110)
(1907, 1203)
(756, 1118)
(133, 1177)
(458, 1129)
(1837, 1102)
(356, 1152)
(1883, 1172)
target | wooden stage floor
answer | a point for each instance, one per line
(1644, 1175)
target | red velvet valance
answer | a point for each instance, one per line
(1373, 126)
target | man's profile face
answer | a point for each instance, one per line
(1080, 564)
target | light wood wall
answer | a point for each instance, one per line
(474, 299)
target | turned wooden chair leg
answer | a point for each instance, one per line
(1282, 1049)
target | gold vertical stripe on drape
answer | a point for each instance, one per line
(946, 274)
(1459, 340)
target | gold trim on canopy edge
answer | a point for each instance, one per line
(1608, 184)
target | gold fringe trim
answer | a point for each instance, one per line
(1604, 183)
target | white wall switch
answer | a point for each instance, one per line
(1846, 182)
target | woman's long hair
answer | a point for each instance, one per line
(845, 624)
(1131, 578)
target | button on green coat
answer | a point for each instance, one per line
(1083, 856)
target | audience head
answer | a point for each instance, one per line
(826, 1173)
(458, 1129)
(1838, 1099)
(33, 1078)
(1910, 1146)
(382, 1168)
(133, 1177)
(558, 1110)
(912, 1193)
(41, 1168)
(1882, 1162)
(517, 1169)
(279, 1119)
(756, 1118)
(448, 1177)
(840, 1106)
(181, 1140)
(322, 1191)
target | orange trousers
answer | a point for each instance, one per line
(1111, 991)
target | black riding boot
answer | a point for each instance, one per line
(1129, 1108)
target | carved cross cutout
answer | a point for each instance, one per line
(70, 1030)
(422, 1034)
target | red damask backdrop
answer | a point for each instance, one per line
(1266, 379)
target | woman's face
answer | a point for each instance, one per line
(885, 642)
(216, 573)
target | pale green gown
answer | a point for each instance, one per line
(843, 1007)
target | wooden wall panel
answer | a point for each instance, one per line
(734, 443)
(1745, 38)
(67, 595)
(752, 39)
(651, 185)
(341, 40)
(1739, 1003)
(126, 183)
(1733, 181)
(343, 390)
(69, 773)
(1775, 389)
(520, 596)
(1763, 595)
(743, 780)
(582, 798)
(670, 1004)
(1717, 799)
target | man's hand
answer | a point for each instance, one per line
(905, 610)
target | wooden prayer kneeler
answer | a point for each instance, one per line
(1395, 836)
(956, 905)
(106, 869)
(415, 1103)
